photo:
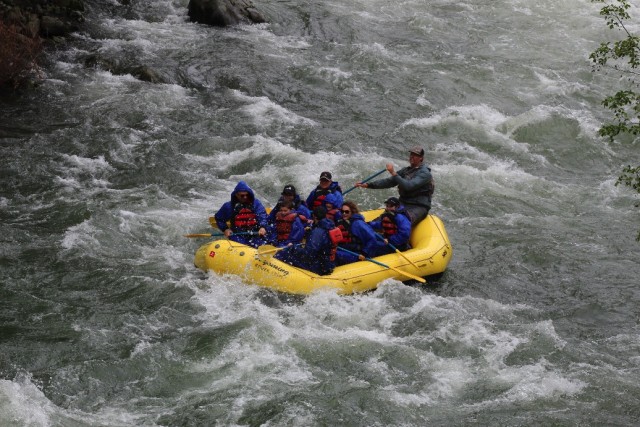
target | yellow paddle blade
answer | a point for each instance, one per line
(413, 276)
(198, 235)
(212, 221)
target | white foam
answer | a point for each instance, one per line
(259, 352)
(538, 381)
(378, 49)
(83, 235)
(285, 165)
(23, 404)
(587, 122)
(422, 100)
(337, 73)
(557, 85)
(481, 115)
(148, 38)
(500, 178)
(500, 128)
(270, 42)
(339, 78)
(267, 337)
(96, 165)
(75, 169)
(264, 112)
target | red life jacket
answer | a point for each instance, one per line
(388, 223)
(319, 196)
(244, 217)
(331, 214)
(344, 226)
(284, 224)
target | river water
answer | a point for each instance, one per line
(104, 321)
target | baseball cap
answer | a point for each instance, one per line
(289, 189)
(417, 150)
(392, 201)
(325, 175)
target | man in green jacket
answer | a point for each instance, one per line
(414, 182)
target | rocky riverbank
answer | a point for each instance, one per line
(25, 27)
(28, 25)
(57, 18)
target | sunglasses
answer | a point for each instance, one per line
(242, 195)
(345, 211)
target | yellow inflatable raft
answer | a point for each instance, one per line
(430, 254)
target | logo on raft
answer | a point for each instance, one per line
(263, 264)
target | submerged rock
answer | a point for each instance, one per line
(119, 68)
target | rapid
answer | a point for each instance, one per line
(104, 321)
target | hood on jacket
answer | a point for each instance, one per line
(402, 210)
(333, 199)
(242, 186)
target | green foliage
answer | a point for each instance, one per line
(623, 57)
(630, 177)
(625, 106)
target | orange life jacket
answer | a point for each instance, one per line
(335, 234)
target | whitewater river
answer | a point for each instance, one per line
(104, 321)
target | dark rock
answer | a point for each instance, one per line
(76, 5)
(76, 15)
(146, 74)
(222, 13)
(255, 15)
(48, 18)
(51, 26)
(140, 72)
(95, 61)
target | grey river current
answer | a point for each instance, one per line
(104, 321)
